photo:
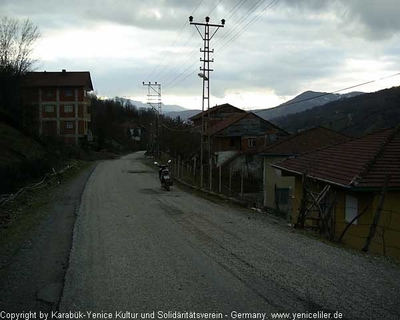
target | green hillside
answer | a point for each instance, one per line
(355, 116)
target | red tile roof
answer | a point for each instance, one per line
(305, 141)
(59, 79)
(361, 162)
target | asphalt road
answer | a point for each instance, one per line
(138, 248)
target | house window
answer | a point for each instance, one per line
(68, 93)
(49, 109)
(232, 142)
(68, 109)
(69, 125)
(49, 93)
(251, 142)
(351, 209)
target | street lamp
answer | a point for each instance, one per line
(202, 75)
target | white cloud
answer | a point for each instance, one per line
(295, 45)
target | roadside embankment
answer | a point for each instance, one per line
(36, 238)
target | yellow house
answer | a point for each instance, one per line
(350, 192)
(277, 189)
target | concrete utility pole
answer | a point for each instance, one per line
(205, 75)
(154, 100)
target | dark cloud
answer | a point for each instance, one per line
(149, 14)
(371, 19)
(290, 47)
(379, 19)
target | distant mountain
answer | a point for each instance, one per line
(184, 115)
(306, 100)
(172, 111)
(165, 107)
(358, 115)
(172, 108)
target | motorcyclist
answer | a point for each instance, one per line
(162, 167)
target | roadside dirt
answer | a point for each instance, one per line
(35, 242)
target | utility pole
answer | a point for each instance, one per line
(154, 100)
(205, 75)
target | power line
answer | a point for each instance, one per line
(170, 65)
(170, 74)
(240, 21)
(183, 79)
(165, 56)
(233, 10)
(336, 91)
(171, 83)
(345, 117)
(173, 44)
(242, 3)
(216, 5)
(175, 81)
(198, 5)
(166, 78)
(179, 75)
(250, 23)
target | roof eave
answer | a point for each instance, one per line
(264, 154)
(313, 177)
(90, 87)
(373, 189)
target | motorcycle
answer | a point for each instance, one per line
(164, 175)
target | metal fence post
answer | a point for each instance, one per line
(241, 184)
(230, 180)
(210, 177)
(220, 179)
(194, 168)
(175, 166)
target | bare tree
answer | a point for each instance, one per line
(17, 39)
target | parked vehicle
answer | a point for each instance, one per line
(164, 175)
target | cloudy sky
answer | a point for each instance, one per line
(268, 52)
